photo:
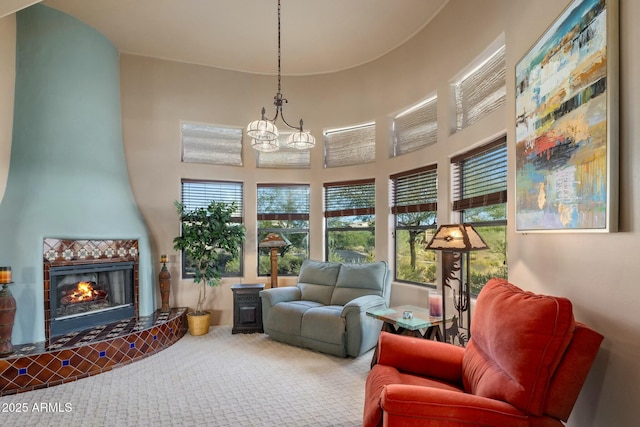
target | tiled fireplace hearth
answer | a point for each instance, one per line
(91, 291)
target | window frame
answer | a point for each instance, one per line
(286, 216)
(477, 198)
(239, 219)
(422, 180)
(360, 209)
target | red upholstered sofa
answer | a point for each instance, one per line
(524, 366)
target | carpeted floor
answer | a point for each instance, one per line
(215, 380)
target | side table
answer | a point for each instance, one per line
(247, 308)
(394, 323)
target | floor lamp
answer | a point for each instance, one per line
(274, 242)
(456, 241)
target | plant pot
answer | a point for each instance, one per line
(199, 323)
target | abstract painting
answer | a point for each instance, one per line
(566, 125)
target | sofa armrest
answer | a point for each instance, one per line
(421, 356)
(276, 295)
(432, 406)
(362, 304)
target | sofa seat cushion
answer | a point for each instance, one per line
(286, 317)
(324, 324)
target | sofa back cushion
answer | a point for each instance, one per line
(356, 280)
(517, 341)
(317, 280)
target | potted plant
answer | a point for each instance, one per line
(207, 235)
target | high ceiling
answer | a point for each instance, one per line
(318, 36)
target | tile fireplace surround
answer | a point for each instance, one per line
(79, 354)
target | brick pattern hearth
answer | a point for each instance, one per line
(81, 354)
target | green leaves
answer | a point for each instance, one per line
(206, 234)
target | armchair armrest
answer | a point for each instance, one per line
(362, 304)
(432, 406)
(421, 356)
(276, 295)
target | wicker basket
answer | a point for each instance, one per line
(199, 324)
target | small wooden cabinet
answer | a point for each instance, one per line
(247, 308)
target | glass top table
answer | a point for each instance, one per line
(421, 325)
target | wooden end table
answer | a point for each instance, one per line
(421, 325)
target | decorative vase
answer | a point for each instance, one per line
(165, 285)
(199, 323)
(7, 316)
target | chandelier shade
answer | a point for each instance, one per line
(264, 132)
(264, 145)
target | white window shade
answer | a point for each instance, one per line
(216, 145)
(199, 194)
(350, 146)
(482, 91)
(285, 157)
(416, 127)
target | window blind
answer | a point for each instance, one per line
(415, 190)
(479, 177)
(350, 146)
(289, 158)
(415, 128)
(350, 198)
(207, 143)
(482, 91)
(283, 202)
(198, 194)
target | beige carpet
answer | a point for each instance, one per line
(215, 380)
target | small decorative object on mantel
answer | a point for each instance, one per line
(7, 312)
(165, 285)
(275, 243)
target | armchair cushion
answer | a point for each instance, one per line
(518, 339)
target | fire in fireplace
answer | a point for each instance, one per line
(86, 295)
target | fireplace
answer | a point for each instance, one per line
(88, 283)
(87, 295)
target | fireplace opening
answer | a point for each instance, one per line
(84, 296)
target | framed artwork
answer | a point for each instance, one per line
(567, 124)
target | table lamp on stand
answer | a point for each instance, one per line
(456, 241)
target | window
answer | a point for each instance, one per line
(284, 209)
(350, 221)
(350, 146)
(415, 127)
(216, 145)
(481, 91)
(285, 157)
(479, 183)
(198, 194)
(414, 198)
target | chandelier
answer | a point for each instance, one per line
(264, 132)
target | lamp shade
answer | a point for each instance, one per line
(301, 140)
(265, 146)
(273, 240)
(457, 238)
(262, 130)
